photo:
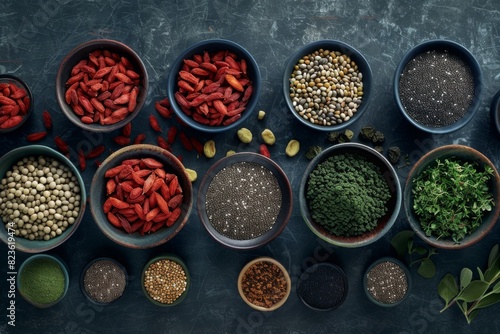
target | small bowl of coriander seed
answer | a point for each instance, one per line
(165, 280)
(327, 85)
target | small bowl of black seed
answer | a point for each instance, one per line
(245, 201)
(387, 282)
(438, 85)
(327, 85)
(103, 281)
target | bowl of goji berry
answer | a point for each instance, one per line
(141, 196)
(214, 85)
(101, 85)
(16, 103)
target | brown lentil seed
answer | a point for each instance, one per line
(165, 281)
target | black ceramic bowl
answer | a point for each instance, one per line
(388, 173)
(98, 196)
(331, 45)
(462, 53)
(213, 46)
(82, 52)
(14, 82)
(462, 153)
(495, 113)
(286, 200)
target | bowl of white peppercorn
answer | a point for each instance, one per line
(327, 85)
(42, 198)
(438, 85)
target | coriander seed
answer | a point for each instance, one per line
(165, 281)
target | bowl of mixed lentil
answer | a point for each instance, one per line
(141, 196)
(165, 280)
(452, 197)
(350, 195)
(244, 201)
(42, 198)
(214, 85)
(264, 284)
(327, 85)
(438, 86)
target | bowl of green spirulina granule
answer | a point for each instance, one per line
(43, 280)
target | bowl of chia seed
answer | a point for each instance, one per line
(245, 200)
(350, 195)
(438, 85)
(327, 85)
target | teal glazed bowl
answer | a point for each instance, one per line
(462, 53)
(393, 205)
(495, 113)
(37, 246)
(332, 45)
(39, 279)
(9, 79)
(213, 46)
(462, 153)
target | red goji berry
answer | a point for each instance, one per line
(264, 150)
(154, 123)
(36, 136)
(97, 151)
(61, 145)
(198, 146)
(185, 141)
(172, 133)
(47, 120)
(127, 129)
(121, 140)
(81, 160)
(139, 138)
(162, 142)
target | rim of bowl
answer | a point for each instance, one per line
(84, 271)
(395, 201)
(37, 257)
(312, 269)
(173, 258)
(37, 246)
(408, 281)
(208, 45)
(465, 55)
(10, 77)
(70, 60)
(495, 113)
(428, 159)
(285, 273)
(286, 204)
(97, 189)
(333, 45)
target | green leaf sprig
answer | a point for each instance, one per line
(406, 249)
(470, 294)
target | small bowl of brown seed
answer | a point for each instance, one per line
(264, 284)
(327, 85)
(165, 280)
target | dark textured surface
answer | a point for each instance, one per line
(35, 37)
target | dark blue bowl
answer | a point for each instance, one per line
(467, 57)
(212, 46)
(331, 45)
(495, 113)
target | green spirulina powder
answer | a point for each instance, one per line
(42, 281)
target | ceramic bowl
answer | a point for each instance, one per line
(37, 246)
(316, 281)
(98, 196)
(332, 45)
(286, 202)
(495, 113)
(40, 279)
(80, 53)
(8, 79)
(175, 259)
(283, 270)
(388, 173)
(467, 57)
(370, 295)
(213, 46)
(462, 153)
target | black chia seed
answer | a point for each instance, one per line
(436, 88)
(387, 282)
(243, 201)
(104, 281)
(322, 287)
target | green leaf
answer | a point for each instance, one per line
(447, 289)
(427, 269)
(493, 255)
(496, 288)
(420, 250)
(465, 277)
(488, 301)
(493, 271)
(471, 316)
(481, 275)
(473, 291)
(400, 242)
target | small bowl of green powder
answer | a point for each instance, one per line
(350, 195)
(43, 280)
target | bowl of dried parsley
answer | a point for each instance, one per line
(451, 196)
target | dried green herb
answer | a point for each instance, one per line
(394, 153)
(367, 132)
(333, 136)
(450, 198)
(378, 137)
(404, 244)
(346, 136)
(472, 295)
(379, 149)
(313, 151)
